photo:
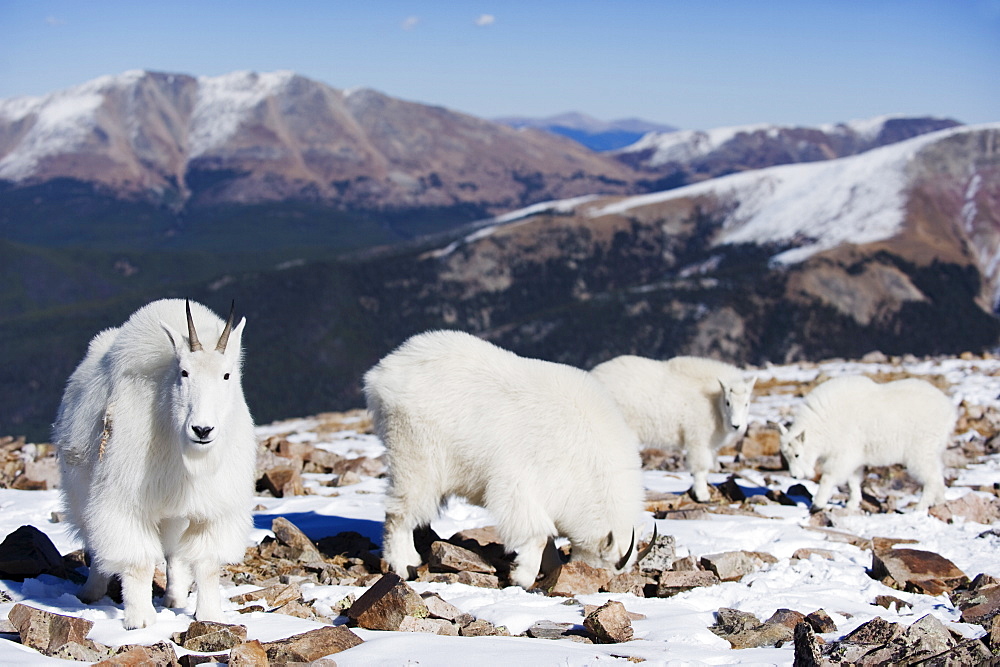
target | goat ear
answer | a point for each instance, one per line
(235, 343)
(610, 541)
(176, 340)
(801, 437)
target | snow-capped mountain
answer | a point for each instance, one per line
(691, 155)
(246, 137)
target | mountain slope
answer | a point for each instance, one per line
(679, 158)
(247, 137)
(595, 134)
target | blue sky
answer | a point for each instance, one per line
(689, 63)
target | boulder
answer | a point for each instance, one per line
(386, 603)
(312, 645)
(916, 571)
(609, 623)
(28, 552)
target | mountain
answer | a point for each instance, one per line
(892, 250)
(188, 143)
(681, 157)
(595, 134)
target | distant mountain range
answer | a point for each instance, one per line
(344, 221)
(595, 134)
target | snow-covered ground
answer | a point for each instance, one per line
(675, 631)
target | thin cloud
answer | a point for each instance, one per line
(410, 22)
(485, 20)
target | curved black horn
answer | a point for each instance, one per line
(224, 338)
(624, 561)
(649, 547)
(193, 341)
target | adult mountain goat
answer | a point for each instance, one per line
(849, 422)
(540, 445)
(157, 453)
(694, 404)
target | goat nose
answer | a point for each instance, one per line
(202, 431)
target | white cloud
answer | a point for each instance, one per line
(486, 19)
(410, 22)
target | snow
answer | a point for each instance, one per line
(688, 145)
(820, 205)
(223, 102)
(674, 630)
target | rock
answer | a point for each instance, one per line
(743, 630)
(434, 626)
(787, 618)
(451, 558)
(55, 635)
(609, 623)
(661, 555)
(730, 621)
(821, 622)
(297, 609)
(208, 636)
(289, 534)
(248, 654)
(484, 536)
(160, 653)
(386, 604)
(439, 608)
(575, 578)
(482, 628)
(43, 473)
(282, 481)
(627, 582)
(672, 583)
(917, 571)
(979, 604)
(888, 601)
(550, 630)
(275, 596)
(994, 636)
(975, 507)
(192, 659)
(805, 553)
(311, 645)
(731, 491)
(734, 565)
(28, 552)
(807, 653)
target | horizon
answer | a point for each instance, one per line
(686, 64)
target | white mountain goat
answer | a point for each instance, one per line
(540, 445)
(849, 422)
(689, 403)
(157, 452)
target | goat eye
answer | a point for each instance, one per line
(226, 376)
(184, 374)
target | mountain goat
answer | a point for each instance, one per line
(540, 445)
(850, 422)
(157, 453)
(695, 404)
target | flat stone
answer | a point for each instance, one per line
(289, 534)
(434, 626)
(805, 553)
(386, 603)
(575, 578)
(160, 653)
(484, 536)
(674, 582)
(27, 553)
(46, 632)
(980, 605)
(627, 582)
(888, 601)
(208, 636)
(917, 571)
(609, 623)
(297, 609)
(440, 608)
(876, 631)
(734, 565)
(549, 630)
(275, 595)
(482, 628)
(453, 558)
(975, 507)
(248, 654)
(312, 645)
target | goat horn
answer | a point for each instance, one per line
(224, 338)
(193, 341)
(649, 547)
(624, 561)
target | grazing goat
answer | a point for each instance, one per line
(694, 404)
(157, 452)
(850, 422)
(540, 445)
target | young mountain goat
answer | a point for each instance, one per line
(157, 453)
(689, 403)
(540, 445)
(849, 422)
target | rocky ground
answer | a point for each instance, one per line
(278, 573)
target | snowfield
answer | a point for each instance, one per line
(674, 630)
